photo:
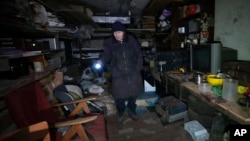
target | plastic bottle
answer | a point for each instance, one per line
(218, 127)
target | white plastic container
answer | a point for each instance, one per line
(205, 88)
(196, 130)
(230, 89)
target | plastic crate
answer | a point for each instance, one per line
(196, 130)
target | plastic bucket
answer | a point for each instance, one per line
(229, 89)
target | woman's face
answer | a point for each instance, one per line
(119, 35)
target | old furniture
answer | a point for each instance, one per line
(29, 104)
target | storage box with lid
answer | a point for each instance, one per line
(170, 109)
(196, 130)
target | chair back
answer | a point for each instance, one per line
(75, 89)
(29, 105)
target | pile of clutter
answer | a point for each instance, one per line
(90, 83)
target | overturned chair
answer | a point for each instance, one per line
(29, 105)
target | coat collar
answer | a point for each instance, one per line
(124, 40)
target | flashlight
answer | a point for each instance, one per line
(97, 65)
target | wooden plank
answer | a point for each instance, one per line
(237, 112)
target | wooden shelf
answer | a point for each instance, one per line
(129, 29)
(189, 33)
(189, 17)
(180, 18)
(29, 54)
(14, 29)
(10, 85)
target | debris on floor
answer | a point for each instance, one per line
(150, 121)
(127, 130)
(147, 128)
(127, 120)
(147, 131)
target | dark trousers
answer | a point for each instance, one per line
(121, 105)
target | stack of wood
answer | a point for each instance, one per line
(148, 22)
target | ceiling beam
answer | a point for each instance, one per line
(94, 8)
(154, 6)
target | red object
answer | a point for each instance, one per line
(247, 93)
(192, 9)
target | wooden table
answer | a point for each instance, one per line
(231, 109)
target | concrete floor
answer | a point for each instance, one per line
(148, 128)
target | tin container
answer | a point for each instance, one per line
(198, 78)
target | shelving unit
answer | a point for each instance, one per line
(196, 25)
(87, 56)
(29, 41)
(8, 85)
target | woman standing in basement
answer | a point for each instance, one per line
(123, 50)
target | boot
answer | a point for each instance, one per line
(121, 117)
(133, 115)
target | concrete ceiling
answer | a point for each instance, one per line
(133, 8)
(117, 7)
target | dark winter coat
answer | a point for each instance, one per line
(126, 64)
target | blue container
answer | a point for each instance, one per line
(147, 99)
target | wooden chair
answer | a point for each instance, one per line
(29, 105)
(34, 132)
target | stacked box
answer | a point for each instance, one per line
(170, 109)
